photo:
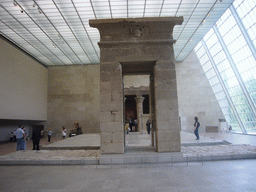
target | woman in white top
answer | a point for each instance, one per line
(63, 132)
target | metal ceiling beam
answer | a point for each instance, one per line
(46, 33)
(73, 35)
(189, 39)
(144, 10)
(86, 29)
(93, 10)
(30, 34)
(161, 8)
(110, 9)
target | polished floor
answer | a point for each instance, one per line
(219, 176)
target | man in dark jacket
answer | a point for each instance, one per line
(36, 135)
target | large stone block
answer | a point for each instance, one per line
(175, 135)
(176, 148)
(163, 94)
(116, 116)
(118, 137)
(105, 77)
(105, 86)
(167, 64)
(110, 67)
(111, 127)
(117, 95)
(107, 148)
(164, 136)
(169, 104)
(105, 97)
(167, 115)
(105, 116)
(164, 74)
(168, 84)
(163, 146)
(137, 52)
(112, 106)
(106, 137)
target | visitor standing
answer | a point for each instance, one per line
(20, 135)
(36, 136)
(63, 132)
(127, 128)
(130, 123)
(24, 139)
(196, 127)
(49, 134)
(148, 126)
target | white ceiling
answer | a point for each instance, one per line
(57, 32)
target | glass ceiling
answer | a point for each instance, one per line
(57, 32)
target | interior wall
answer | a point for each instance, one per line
(23, 85)
(74, 96)
(195, 96)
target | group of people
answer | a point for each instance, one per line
(148, 124)
(21, 137)
(20, 134)
(131, 123)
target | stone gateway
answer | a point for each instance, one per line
(138, 46)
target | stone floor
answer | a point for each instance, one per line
(209, 176)
(138, 145)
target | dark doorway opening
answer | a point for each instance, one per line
(146, 104)
(130, 107)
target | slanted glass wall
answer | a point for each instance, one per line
(228, 56)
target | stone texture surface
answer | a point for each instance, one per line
(23, 86)
(195, 96)
(73, 96)
(217, 152)
(166, 108)
(111, 109)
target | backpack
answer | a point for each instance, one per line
(198, 124)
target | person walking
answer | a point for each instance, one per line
(127, 128)
(49, 134)
(148, 126)
(20, 135)
(196, 127)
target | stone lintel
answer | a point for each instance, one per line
(151, 29)
(172, 20)
(132, 90)
(111, 44)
